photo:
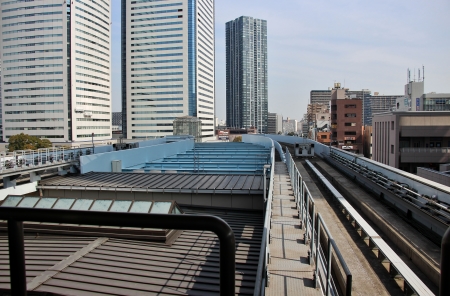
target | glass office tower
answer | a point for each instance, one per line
(56, 69)
(167, 66)
(246, 73)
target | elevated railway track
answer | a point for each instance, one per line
(412, 262)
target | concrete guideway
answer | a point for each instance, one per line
(365, 278)
(289, 269)
(419, 253)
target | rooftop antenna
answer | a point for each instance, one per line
(423, 73)
(409, 75)
(414, 74)
(419, 74)
(407, 79)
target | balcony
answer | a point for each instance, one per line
(425, 155)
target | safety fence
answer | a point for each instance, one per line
(410, 283)
(262, 273)
(25, 159)
(332, 274)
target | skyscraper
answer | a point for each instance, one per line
(56, 69)
(167, 65)
(246, 72)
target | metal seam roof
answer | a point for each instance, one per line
(157, 182)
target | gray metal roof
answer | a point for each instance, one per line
(148, 182)
(72, 265)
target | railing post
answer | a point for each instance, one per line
(327, 291)
(306, 218)
(17, 258)
(312, 233)
(317, 254)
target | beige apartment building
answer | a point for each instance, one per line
(408, 140)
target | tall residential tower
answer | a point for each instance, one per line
(56, 69)
(246, 71)
(167, 65)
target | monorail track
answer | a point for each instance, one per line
(407, 242)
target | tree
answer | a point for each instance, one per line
(237, 139)
(23, 141)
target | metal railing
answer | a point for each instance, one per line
(27, 159)
(16, 216)
(412, 284)
(262, 273)
(326, 256)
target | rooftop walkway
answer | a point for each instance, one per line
(290, 272)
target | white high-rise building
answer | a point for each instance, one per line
(167, 65)
(56, 69)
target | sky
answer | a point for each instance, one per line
(312, 44)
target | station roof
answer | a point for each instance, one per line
(157, 182)
(75, 265)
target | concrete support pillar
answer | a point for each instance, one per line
(34, 176)
(10, 181)
(61, 171)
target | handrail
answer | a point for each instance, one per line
(16, 216)
(264, 254)
(309, 218)
(411, 280)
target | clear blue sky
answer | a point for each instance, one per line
(312, 44)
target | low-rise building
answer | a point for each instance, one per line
(346, 120)
(274, 123)
(407, 140)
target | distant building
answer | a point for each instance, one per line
(117, 121)
(346, 120)
(57, 70)
(246, 73)
(320, 97)
(436, 102)
(290, 126)
(274, 123)
(323, 137)
(188, 125)
(322, 121)
(167, 66)
(408, 140)
(377, 104)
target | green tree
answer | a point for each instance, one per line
(237, 139)
(23, 141)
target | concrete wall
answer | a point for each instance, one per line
(18, 190)
(102, 162)
(435, 176)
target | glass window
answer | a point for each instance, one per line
(141, 207)
(11, 201)
(161, 207)
(120, 206)
(82, 204)
(101, 205)
(46, 202)
(64, 203)
(28, 202)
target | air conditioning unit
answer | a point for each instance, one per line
(87, 113)
(79, 110)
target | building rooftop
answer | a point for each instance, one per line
(102, 265)
(156, 182)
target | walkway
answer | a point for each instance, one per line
(290, 272)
